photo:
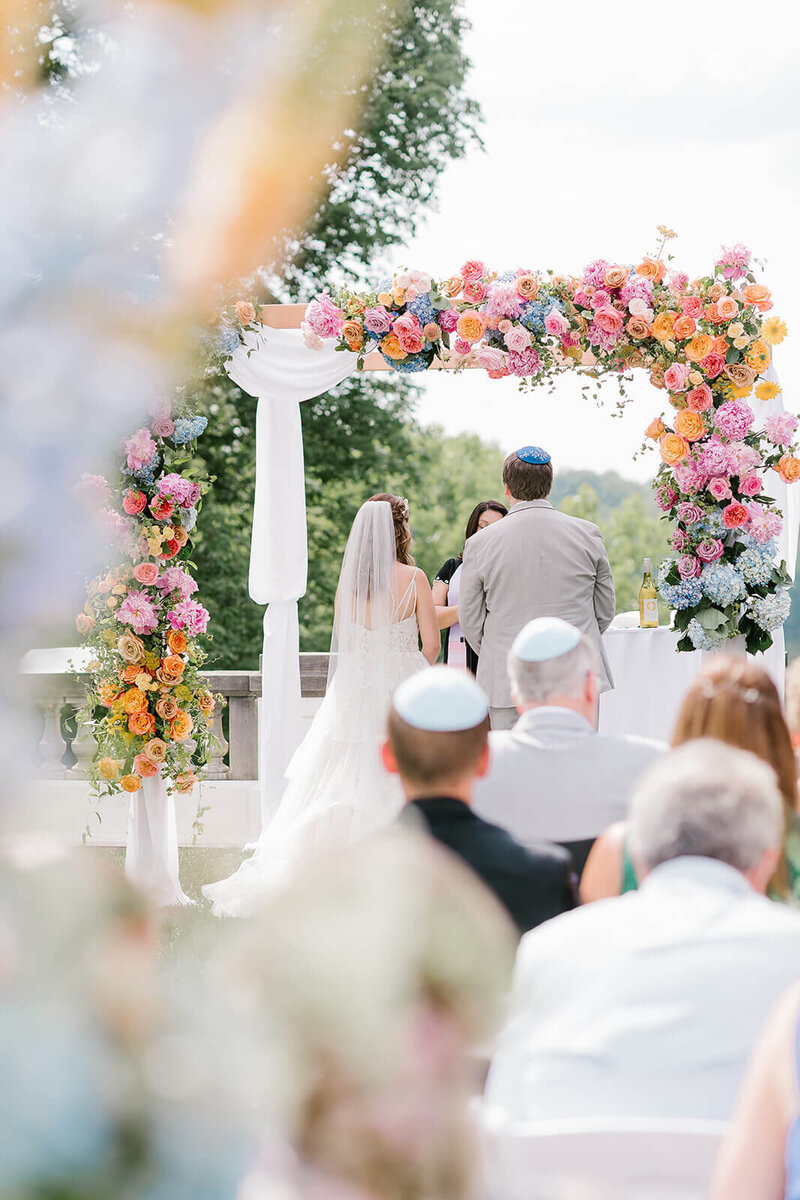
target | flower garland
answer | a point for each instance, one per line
(146, 702)
(704, 342)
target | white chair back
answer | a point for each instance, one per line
(600, 1159)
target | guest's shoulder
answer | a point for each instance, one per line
(539, 857)
(632, 745)
(579, 926)
(447, 570)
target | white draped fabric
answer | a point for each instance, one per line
(278, 369)
(151, 858)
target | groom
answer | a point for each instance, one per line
(537, 562)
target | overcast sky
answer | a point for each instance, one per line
(601, 122)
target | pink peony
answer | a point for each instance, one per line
(139, 612)
(709, 550)
(734, 261)
(324, 318)
(780, 428)
(689, 567)
(689, 477)
(719, 488)
(734, 419)
(676, 377)
(189, 616)
(490, 359)
(742, 459)
(311, 340)
(378, 320)
(134, 502)
(608, 319)
(146, 573)
(472, 269)
(637, 288)
(93, 489)
(764, 524)
(173, 579)
(700, 399)
(504, 301)
(751, 485)
(139, 449)
(524, 363)
(690, 514)
(556, 323)
(517, 339)
(162, 427)
(713, 365)
(713, 459)
(182, 491)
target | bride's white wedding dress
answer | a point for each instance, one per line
(337, 788)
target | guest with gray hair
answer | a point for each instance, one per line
(553, 777)
(648, 1004)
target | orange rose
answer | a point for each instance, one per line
(615, 277)
(684, 327)
(654, 429)
(664, 325)
(130, 783)
(452, 286)
(156, 750)
(173, 667)
(635, 358)
(690, 425)
(727, 308)
(385, 299)
(432, 332)
(470, 326)
(758, 355)
(185, 781)
(166, 708)
(181, 726)
(637, 327)
(107, 693)
(245, 312)
(712, 314)
(740, 375)
(130, 673)
(144, 766)
(721, 345)
(134, 701)
(651, 268)
(657, 376)
(759, 296)
(142, 724)
(697, 349)
(176, 641)
(207, 702)
(108, 768)
(788, 468)
(353, 334)
(391, 347)
(527, 286)
(674, 448)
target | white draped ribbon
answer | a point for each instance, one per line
(278, 369)
(151, 858)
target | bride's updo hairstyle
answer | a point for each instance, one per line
(402, 532)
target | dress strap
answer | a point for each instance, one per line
(411, 590)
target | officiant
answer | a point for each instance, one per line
(537, 562)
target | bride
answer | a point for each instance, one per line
(337, 790)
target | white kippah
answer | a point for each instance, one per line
(545, 638)
(441, 700)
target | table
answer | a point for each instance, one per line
(651, 678)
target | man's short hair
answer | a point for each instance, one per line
(710, 800)
(527, 481)
(536, 682)
(426, 758)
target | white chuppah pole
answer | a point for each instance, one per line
(278, 369)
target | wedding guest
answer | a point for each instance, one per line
(760, 1158)
(734, 701)
(536, 563)
(553, 776)
(438, 744)
(446, 584)
(648, 1004)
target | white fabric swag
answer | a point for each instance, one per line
(278, 369)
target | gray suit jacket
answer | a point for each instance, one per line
(554, 778)
(536, 562)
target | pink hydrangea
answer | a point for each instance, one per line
(690, 514)
(734, 419)
(709, 550)
(595, 273)
(637, 288)
(173, 579)
(324, 317)
(764, 524)
(601, 338)
(582, 298)
(138, 611)
(527, 362)
(690, 477)
(504, 301)
(378, 320)
(189, 616)
(780, 428)
(139, 449)
(183, 491)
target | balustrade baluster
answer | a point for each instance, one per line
(52, 747)
(216, 768)
(84, 746)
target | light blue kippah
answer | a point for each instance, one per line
(533, 454)
(545, 638)
(441, 700)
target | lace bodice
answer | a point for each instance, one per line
(402, 635)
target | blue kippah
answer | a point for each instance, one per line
(545, 638)
(533, 454)
(441, 700)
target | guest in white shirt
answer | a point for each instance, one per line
(553, 777)
(648, 1004)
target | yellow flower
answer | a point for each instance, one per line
(152, 662)
(739, 393)
(182, 693)
(108, 768)
(767, 390)
(774, 330)
(385, 299)
(758, 356)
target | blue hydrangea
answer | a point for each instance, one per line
(701, 639)
(771, 611)
(754, 566)
(681, 595)
(533, 315)
(768, 549)
(147, 473)
(187, 429)
(228, 339)
(507, 277)
(713, 526)
(722, 584)
(189, 519)
(423, 309)
(412, 364)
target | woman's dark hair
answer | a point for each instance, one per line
(478, 510)
(402, 532)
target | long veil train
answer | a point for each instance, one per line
(337, 790)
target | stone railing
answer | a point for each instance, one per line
(64, 748)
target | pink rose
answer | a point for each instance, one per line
(690, 514)
(710, 550)
(678, 280)
(490, 359)
(146, 573)
(700, 398)
(678, 539)
(409, 333)
(472, 270)
(608, 319)
(448, 319)
(719, 488)
(676, 377)
(504, 325)
(474, 291)
(377, 319)
(689, 567)
(751, 486)
(134, 502)
(556, 323)
(692, 307)
(517, 339)
(162, 427)
(713, 365)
